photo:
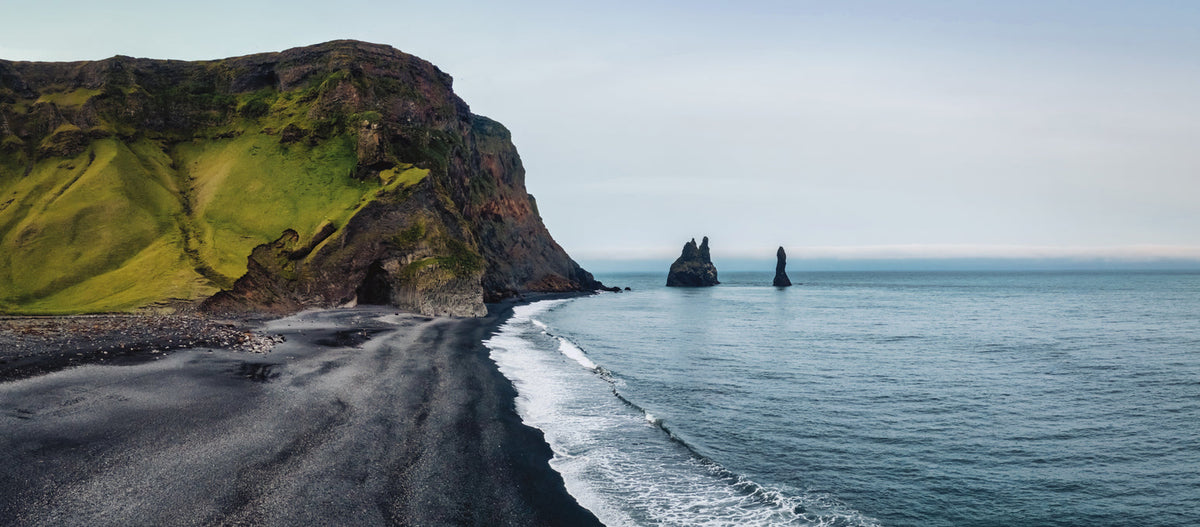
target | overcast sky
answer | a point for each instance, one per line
(837, 129)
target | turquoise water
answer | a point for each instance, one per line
(872, 398)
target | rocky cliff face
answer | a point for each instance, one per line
(346, 172)
(694, 267)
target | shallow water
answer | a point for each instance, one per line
(872, 398)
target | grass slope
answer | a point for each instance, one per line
(144, 216)
(109, 211)
(249, 189)
(127, 226)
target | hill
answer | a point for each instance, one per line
(318, 176)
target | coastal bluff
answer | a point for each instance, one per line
(335, 174)
(694, 267)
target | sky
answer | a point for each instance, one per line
(843, 131)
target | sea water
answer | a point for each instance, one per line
(906, 399)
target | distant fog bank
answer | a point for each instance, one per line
(799, 265)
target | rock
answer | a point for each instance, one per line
(291, 134)
(694, 267)
(781, 277)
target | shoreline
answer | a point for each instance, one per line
(362, 415)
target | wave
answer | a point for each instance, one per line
(613, 466)
(569, 349)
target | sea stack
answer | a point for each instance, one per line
(781, 278)
(693, 268)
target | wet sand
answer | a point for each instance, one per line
(362, 417)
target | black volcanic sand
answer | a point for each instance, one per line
(362, 417)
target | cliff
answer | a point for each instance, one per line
(318, 176)
(694, 267)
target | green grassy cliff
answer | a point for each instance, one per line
(332, 172)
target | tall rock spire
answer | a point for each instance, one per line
(781, 277)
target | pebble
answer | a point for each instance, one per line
(99, 334)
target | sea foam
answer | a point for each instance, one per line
(618, 459)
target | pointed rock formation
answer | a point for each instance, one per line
(781, 277)
(693, 268)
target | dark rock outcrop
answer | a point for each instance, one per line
(694, 267)
(781, 277)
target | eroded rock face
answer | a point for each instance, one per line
(781, 277)
(430, 290)
(694, 267)
(410, 251)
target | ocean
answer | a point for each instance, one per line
(881, 398)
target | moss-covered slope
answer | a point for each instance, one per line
(345, 171)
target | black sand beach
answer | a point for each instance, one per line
(362, 417)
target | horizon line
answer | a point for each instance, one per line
(1116, 253)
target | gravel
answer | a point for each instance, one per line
(31, 346)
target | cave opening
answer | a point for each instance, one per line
(376, 287)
